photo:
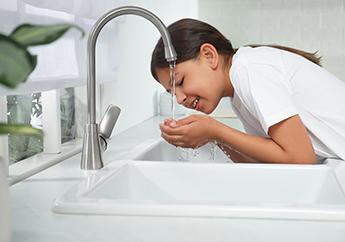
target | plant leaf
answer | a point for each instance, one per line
(19, 129)
(16, 63)
(30, 35)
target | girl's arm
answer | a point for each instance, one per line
(289, 142)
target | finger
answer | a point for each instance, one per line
(166, 128)
(187, 120)
(173, 124)
(172, 139)
(178, 141)
(187, 145)
(181, 144)
(167, 121)
(173, 131)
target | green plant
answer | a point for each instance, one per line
(17, 63)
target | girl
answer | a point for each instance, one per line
(292, 109)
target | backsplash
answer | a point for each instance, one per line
(311, 25)
(134, 90)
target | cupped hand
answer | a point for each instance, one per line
(190, 132)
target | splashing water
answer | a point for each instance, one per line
(213, 150)
(200, 154)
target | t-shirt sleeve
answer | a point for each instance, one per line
(265, 93)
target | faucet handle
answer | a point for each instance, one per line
(108, 121)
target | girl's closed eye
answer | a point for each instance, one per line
(181, 82)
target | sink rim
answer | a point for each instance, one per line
(75, 200)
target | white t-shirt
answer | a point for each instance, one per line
(271, 85)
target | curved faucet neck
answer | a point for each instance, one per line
(170, 53)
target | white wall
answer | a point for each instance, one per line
(133, 88)
(123, 51)
(311, 25)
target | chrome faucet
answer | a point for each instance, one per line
(92, 153)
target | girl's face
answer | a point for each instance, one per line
(200, 84)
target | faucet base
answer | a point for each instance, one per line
(91, 158)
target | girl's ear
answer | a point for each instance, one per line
(210, 54)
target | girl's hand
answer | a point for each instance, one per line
(191, 132)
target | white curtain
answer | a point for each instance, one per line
(63, 62)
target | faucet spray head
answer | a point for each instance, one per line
(170, 53)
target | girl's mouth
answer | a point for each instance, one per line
(195, 102)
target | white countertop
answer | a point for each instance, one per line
(32, 219)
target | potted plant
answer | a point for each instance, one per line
(16, 64)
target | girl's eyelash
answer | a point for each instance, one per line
(180, 84)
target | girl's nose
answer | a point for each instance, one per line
(180, 96)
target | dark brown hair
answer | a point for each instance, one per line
(188, 35)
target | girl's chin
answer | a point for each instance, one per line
(204, 109)
(207, 110)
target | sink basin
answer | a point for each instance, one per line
(257, 191)
(160, 150)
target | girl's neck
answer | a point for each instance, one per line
(229, 89)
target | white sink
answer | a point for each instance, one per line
(258, 191)
(160, 150)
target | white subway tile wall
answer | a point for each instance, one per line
(311, 25)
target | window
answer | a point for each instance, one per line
(67, 107)
(27, 109)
